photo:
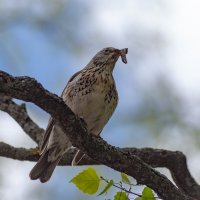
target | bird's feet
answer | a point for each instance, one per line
(35, 151)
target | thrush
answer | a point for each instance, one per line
(91, 94)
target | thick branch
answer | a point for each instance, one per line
(19, 114)
(28, 89)
(175, 161)
(154, 157)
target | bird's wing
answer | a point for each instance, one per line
(52, 121)
(47, 134)
(73, 76)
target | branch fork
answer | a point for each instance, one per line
(138, 163)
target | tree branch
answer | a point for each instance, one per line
(153, 157)
(20, 115)
(30, 90)
(21, 154)
(175, 161)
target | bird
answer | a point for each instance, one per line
(92, 95)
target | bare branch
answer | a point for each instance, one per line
(22, 154)
(28, 89)
(154, 157)
(19, 114)
(175, 161)
(32, 154)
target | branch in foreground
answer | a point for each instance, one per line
(175, 161)
(29, 89)
(19, 114)
(23, 154)
(154, 157)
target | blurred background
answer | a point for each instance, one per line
(159, 88)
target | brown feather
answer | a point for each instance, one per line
(47, 135)
(52, 122)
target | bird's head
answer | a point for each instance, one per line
(107, 57)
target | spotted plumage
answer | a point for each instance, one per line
(91, 94)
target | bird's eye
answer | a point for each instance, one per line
(106, 51)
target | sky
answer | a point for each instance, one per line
(106, 23)
(184, 31)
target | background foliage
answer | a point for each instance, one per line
(159, 89)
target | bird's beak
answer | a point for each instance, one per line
(123, 53)
(117, 53)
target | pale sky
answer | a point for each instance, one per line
(185, 54)
(180, 24)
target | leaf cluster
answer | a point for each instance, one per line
(88, 182)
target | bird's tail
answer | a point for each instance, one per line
(44, 167)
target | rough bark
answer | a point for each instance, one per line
(137, 163)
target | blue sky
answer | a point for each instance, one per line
(52, 41)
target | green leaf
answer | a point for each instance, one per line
(121, 196)
(125, 178)
(138, 198)
(110, 184)
(147, 194)
(87, 181)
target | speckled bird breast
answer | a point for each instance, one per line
(93, 97)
